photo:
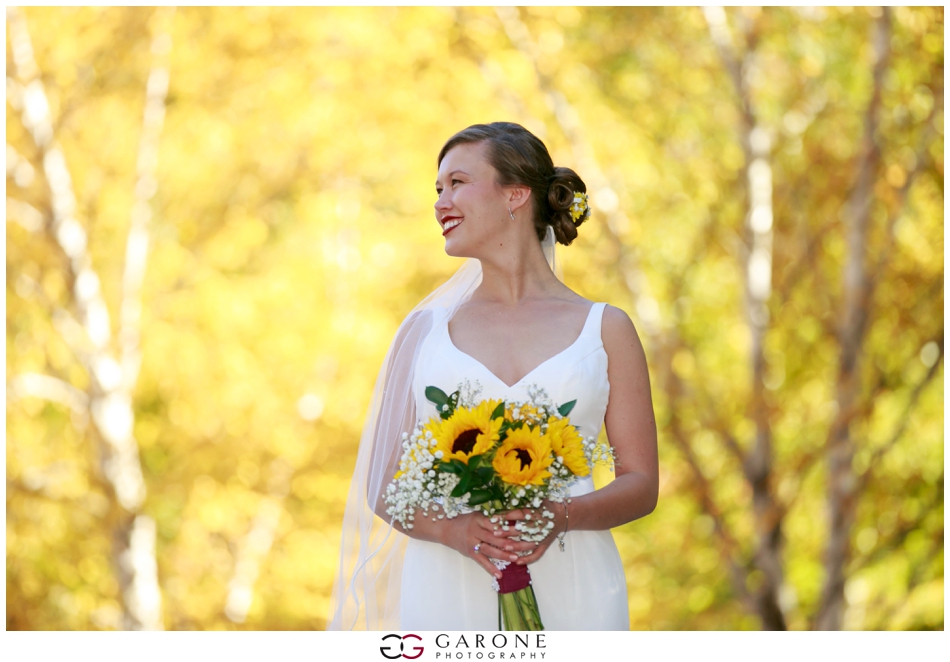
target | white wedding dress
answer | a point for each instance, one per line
(582, 588)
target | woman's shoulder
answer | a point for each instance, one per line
(618, 332)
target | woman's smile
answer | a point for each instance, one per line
(449, 223)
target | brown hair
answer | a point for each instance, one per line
(520, 158)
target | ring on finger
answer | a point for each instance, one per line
(478, 547)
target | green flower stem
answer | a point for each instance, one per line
(519, 610)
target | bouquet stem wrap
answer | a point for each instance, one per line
(517, 606)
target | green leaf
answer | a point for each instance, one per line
(474, 461)
(499, 411)
(479, 496)
(451, 467)
(464, 486)
(485, 474)
(566, 408)
(436, 396)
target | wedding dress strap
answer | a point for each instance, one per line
(594, 321)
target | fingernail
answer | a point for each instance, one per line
(514, 557)
(509, 548)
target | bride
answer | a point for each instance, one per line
(505, 323)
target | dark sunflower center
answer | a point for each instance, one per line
(524, 457)
(465, 442)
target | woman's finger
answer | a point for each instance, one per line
(487, 552)
(489, 524)
(535, 554)
(503, 526)
(514, 515)
(498, 552)
(478, 552)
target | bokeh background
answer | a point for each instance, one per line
(216, 219)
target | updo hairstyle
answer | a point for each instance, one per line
(522, 159)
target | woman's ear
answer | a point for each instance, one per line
(518, 196)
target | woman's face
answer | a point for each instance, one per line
(472, 209)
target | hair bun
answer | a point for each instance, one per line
(564, 184)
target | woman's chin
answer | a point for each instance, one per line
(454, 249)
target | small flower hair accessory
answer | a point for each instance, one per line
(580, 210)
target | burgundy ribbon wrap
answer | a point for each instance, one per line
(514, 578)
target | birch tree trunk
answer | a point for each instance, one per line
(857, 290)
(758, 464)
(254, 547)
(112, 376)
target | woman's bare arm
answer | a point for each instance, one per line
(631, 430)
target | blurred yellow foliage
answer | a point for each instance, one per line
(291, 230)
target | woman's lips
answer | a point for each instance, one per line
(450, 223)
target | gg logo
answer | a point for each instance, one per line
(388, 649)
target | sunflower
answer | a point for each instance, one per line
(468, 431)
(524, 457)
(566, 442)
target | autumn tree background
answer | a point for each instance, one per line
(216, 219)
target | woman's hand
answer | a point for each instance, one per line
(475, 535)
(532, 551)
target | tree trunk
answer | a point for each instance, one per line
(758, 463)
(842, 481)
(112, 379)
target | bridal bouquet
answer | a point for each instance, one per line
(493, 456)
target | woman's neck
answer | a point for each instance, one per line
(513, 276)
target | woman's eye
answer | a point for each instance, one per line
(456, 181)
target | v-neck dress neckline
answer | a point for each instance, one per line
(584, 330)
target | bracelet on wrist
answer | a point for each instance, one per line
(567, 524)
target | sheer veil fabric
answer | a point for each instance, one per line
(367, 585)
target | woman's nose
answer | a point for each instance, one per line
(442, 202)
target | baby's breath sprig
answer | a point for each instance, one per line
(599, 452)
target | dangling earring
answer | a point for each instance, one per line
(510, 214)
